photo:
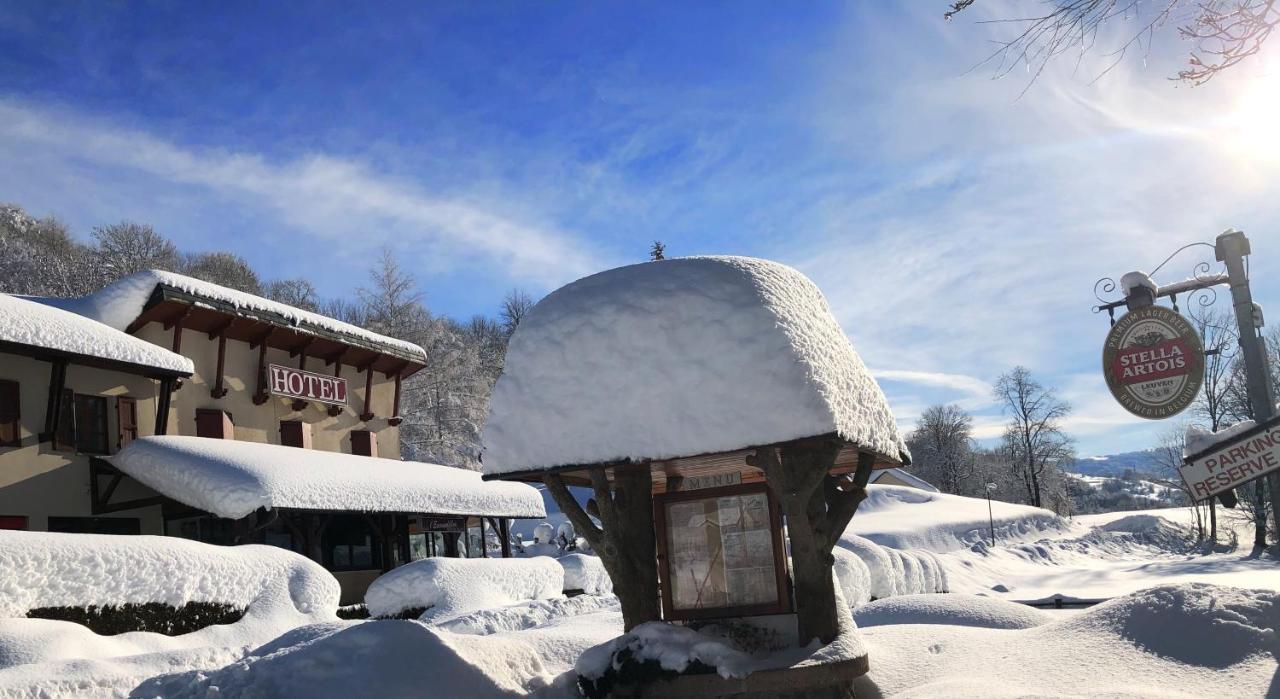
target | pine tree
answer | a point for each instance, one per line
(657, 251)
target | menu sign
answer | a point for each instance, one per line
(720, 552)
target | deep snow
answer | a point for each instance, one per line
(673, 358)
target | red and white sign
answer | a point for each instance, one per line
(1248, 457)
(306, 385)
(1154, 362)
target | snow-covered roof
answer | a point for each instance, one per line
(55, 331)
(120, 303)
(232, 479)
(679, 358)
(905, 477)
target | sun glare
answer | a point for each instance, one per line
(1257, 119)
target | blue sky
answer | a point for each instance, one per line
(956, 228)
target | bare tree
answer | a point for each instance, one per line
(127, 247)
(657, 251)
(1036, 445)
(224, 268)
(515, 305)
(1238, 407)
(941, 448)
(1222, 32)
(299, 293)
(1218, 336)
(1168, 457)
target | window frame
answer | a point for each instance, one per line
(81, 437)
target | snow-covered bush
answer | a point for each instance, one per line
(447, 587)
(878, 563)
(586, 573)
(42, 569)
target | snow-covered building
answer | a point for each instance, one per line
(72, 388)
(897, 476)
(290, 414)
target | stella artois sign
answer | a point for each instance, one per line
(1154, 362)
(306, 385)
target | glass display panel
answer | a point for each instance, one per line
(720, 552)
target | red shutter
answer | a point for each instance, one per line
(13, 522)
(295, 433)
(214, 424)
(10, 414)
(126, 420)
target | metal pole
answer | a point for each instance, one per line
(991, 518)
(1231, 248)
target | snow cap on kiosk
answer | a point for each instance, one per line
(679, 358)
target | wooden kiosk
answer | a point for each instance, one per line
(718, 413)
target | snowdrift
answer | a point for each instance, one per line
(586, 573)
(448, 587)
(42, 569)
(906, 518)
(953, 610)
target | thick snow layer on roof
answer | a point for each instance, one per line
(1199, 439)
(120, 303)
(43, 569)
(449, 587)
(26, 322)
(679, 358)
(232, 478)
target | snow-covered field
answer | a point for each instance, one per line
(1177, 623)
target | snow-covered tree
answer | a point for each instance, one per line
(127, 247)
(942, 451)
(224, 268)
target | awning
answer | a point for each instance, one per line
(232, 479)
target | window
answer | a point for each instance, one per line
(91, 424)
(721, 550)
(10, 413)
(13, 522)
(127, 420)
(95, 525)
(364, 443)
(210, 530)
(350, 544)
(83, 424)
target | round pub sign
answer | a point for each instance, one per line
(1154, 362)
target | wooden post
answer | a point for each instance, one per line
(395, 406)
(367, 415)
(219, 390)
(336, 410)
(260, 395)
(162, 406)
(53, 408)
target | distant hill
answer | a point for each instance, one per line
(1116, 464)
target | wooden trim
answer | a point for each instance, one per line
(395, 419)
(49, 355)
(126, 405)
(219, 390)
(260, 393)
(669, 612)
(14, 413)
(162, 407)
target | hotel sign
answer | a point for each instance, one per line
(306, 385)
(1244, 458)
(1153, 362)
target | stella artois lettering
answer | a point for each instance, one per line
(295, 383)
(1153, 362)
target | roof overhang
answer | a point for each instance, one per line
(53, 355)
(232, 479)
(214, 316)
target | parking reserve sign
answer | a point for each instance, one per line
(1245, 457)
(1154, 362)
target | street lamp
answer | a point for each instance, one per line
(991, 519)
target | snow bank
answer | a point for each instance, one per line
(692, 344)
(853, 577)
(448, 587)
(954, 610)
(1172, 640)
(27, 322)
(908, 518)
(120, 303)
(42, 569)
(882, 580)
(586, 573)
(232, 479)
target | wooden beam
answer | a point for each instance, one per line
(162, 406)
(395, 419)
(301, 349)
(219, 390)
(368, 415)
(53, 408)
(222, 329)
(260, 393)
(336, 360)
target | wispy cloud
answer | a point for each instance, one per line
(325, 197)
